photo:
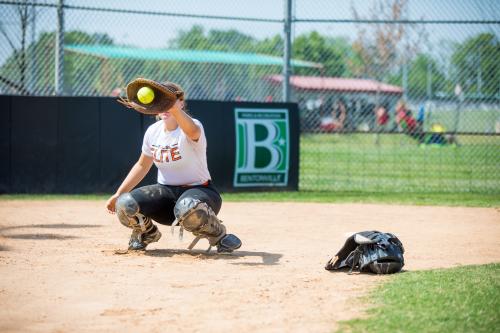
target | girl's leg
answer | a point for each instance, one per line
(197, 210)
(157, 202)
(137, 209)
(207, 194)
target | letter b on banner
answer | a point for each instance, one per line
(262, 147)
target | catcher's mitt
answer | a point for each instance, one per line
(165, 96)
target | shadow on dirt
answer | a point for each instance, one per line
(267, 258)
(51, 226)
(44, 236)
(39, 236)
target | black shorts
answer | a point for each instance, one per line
(157, 201)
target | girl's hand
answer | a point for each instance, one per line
(110, 204)
(178, 107)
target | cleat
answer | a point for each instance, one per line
(139, 241)
(228, 244)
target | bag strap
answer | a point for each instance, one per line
(356, 255)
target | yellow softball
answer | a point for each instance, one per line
(145, 95)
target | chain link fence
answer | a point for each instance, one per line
(394, 95)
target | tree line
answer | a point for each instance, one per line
(473, 63)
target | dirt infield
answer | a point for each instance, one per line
(59, 271)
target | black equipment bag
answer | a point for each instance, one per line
(375, 251)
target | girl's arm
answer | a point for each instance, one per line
(185, 121)
(134, 177)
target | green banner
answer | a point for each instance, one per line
(262, 147)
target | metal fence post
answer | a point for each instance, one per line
(405, 80)
(287, 50)
(429, 80)
(59, 50)
(33, 56)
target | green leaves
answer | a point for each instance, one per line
(477, 66)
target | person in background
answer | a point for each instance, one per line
(407, 123)
(335, 120)
(421, 114)
(381, 116)
(381, 120)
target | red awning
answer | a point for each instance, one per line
(337, 84)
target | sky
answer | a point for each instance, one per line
(131, 29)
(151, 31)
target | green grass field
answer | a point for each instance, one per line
(466, 120)
(354, 168)
(355, 162)
(463, 299)
(413, 198)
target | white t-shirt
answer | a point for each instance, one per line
(180, 160)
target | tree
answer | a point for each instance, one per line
(18, 58)
(476, 64)
(385, 46)
(230, 40)
(217, 40)
(422, 69)
(273, 46)
(332, 52)
(223, 81)
(81, 72)
(314, 47)
(85, 74)
(193, 39)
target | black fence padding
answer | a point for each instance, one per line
(220, 135)
(89, 144)
(120, 143)
(78, 150)
(150, 178)
(34, 145)
(5, 146)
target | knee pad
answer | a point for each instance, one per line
(127, 210)
(197, 217)
(185, 212)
